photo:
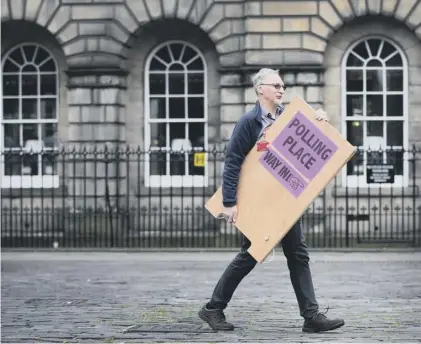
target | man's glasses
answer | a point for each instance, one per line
(277, 86)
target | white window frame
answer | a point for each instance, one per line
(29, 181)
(176, 180)
(360, 181)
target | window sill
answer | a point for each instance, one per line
(10, 192)
(30, 182)
(143, 191)
(409, 191)
(205, 191)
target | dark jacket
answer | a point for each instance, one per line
(244, 136)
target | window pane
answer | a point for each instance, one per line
(30, 69)
(30, 165)
(374, 80)
(196, 108)
(395, 158)
(177, 108)
(48, 66)
(374, 45)
(197, 137)
(157, 108)
(12, 164)
(158, 159)
(176, 83)
(375, 105)
(354, 106)
(196, 64)
(361, 50)
(178, 143)
(10, 67)
(41, 56)
(29, 51)
(178, 136)
(375, 156)
(387, 50)
(355, 166)
(374, 63)
(48, 85)
(30, 132)
(354, 80)
(177, 67)
(29, 85)
(394, 80)
(354, 132)
(394, 105)
(164, 54)
(395, 133)
(49, 163)
(48, 108)
(157, 65)
(49, 131)
(394, 61)
(374, 142)
(11, 135)
(197, 134)
(177, 164)
(375, 131)
(176, 49)
(195, 83)
(16, 55)
(157, 83)
(29, 108)
(189, 53)
(353, 61)
(158, 163)
(10, 85)
(158, 135)
(11, 108)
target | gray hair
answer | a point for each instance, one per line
(258, 78)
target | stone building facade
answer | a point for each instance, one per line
(176, 73)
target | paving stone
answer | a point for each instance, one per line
(154, 297)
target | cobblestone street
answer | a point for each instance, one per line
(154, 297)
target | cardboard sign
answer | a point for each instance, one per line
(277, 184)
(283, 172)
(306, 146)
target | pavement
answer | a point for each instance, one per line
(153, 297)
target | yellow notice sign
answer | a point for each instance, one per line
(199, 159)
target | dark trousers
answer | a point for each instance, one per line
(295, 250)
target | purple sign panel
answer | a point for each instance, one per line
(283, 172)
(305, 146)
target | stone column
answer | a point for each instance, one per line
(96, 133)
(232, 103)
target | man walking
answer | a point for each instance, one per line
(269, 88)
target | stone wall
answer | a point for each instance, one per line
(102, 46)
(243, 35)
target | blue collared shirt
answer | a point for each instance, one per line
(267, 118)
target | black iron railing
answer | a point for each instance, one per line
(130, 198)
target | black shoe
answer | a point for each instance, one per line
(320, 323)
(215, 319)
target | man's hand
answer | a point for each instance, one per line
(321, 115)
(230, 214)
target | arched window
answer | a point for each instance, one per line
(176, 116)
(375, 112)
(29, 117)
